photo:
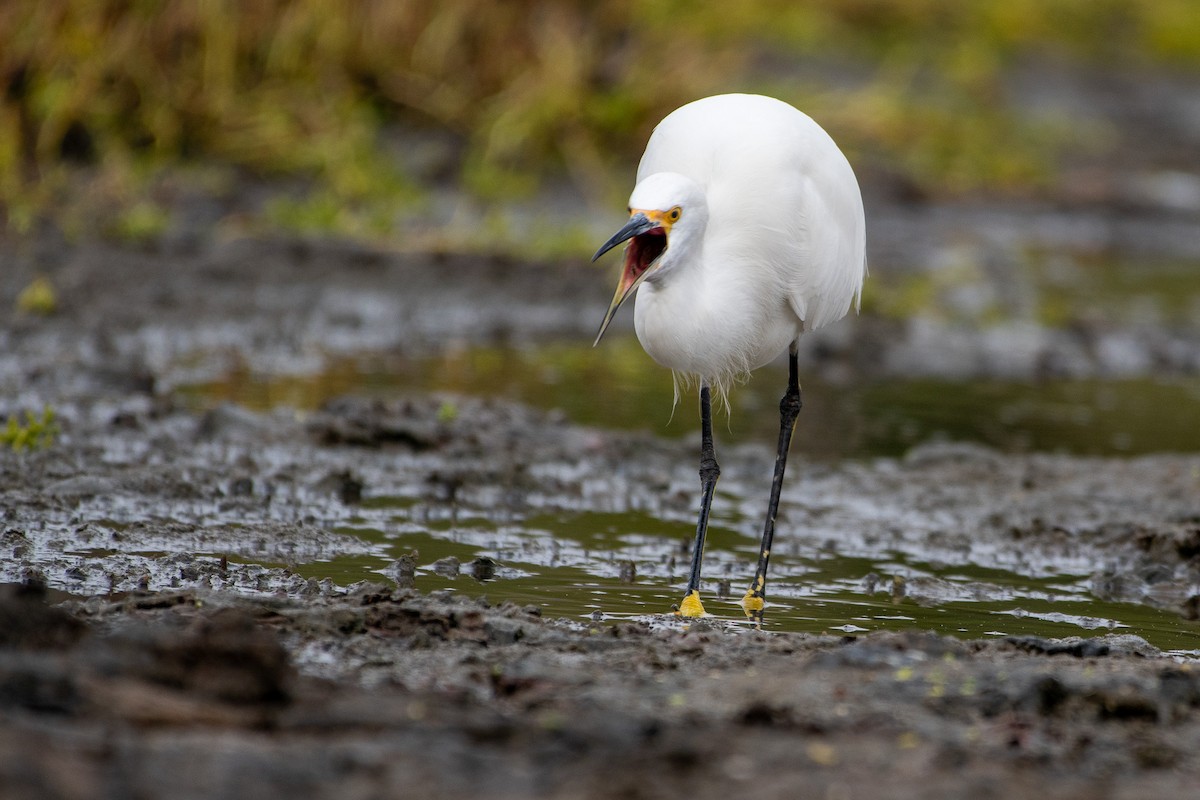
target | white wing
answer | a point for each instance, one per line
(778, 187)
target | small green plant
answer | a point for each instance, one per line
(448, 412)
(39, 298)
(141, 222)
(36, 433)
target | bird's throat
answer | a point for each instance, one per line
(641, 254)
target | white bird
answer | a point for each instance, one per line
(746, 229)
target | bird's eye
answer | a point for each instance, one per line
(674, 214)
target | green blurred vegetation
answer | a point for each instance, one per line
(99, 99)
(35, 433)
(39, 297)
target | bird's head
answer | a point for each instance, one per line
(667, 212)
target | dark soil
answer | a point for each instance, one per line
(197, 694)
(173, 675)
(200, 678)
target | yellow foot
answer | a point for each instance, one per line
(753, 604)
(691, 605)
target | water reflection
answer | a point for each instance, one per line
(619, 387)
(584, 566)
(577, 566)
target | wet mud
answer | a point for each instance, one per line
(384, 692)
(168, 627)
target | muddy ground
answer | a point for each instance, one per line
(134, 663)
(131, 667)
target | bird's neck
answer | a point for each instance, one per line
(684, 260)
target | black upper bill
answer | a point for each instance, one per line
(638, 223)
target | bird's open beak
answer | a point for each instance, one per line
(639, 257)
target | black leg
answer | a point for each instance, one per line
(789, 409)
(709, 472)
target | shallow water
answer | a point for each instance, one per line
(587, 566)
(593, 566)
(618, 386)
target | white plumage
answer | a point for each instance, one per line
(746, 229)
(770, 242)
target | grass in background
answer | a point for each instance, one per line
(115, 93)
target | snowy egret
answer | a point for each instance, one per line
(746, 229)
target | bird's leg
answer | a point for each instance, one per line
(789, 409)
(709, 472)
